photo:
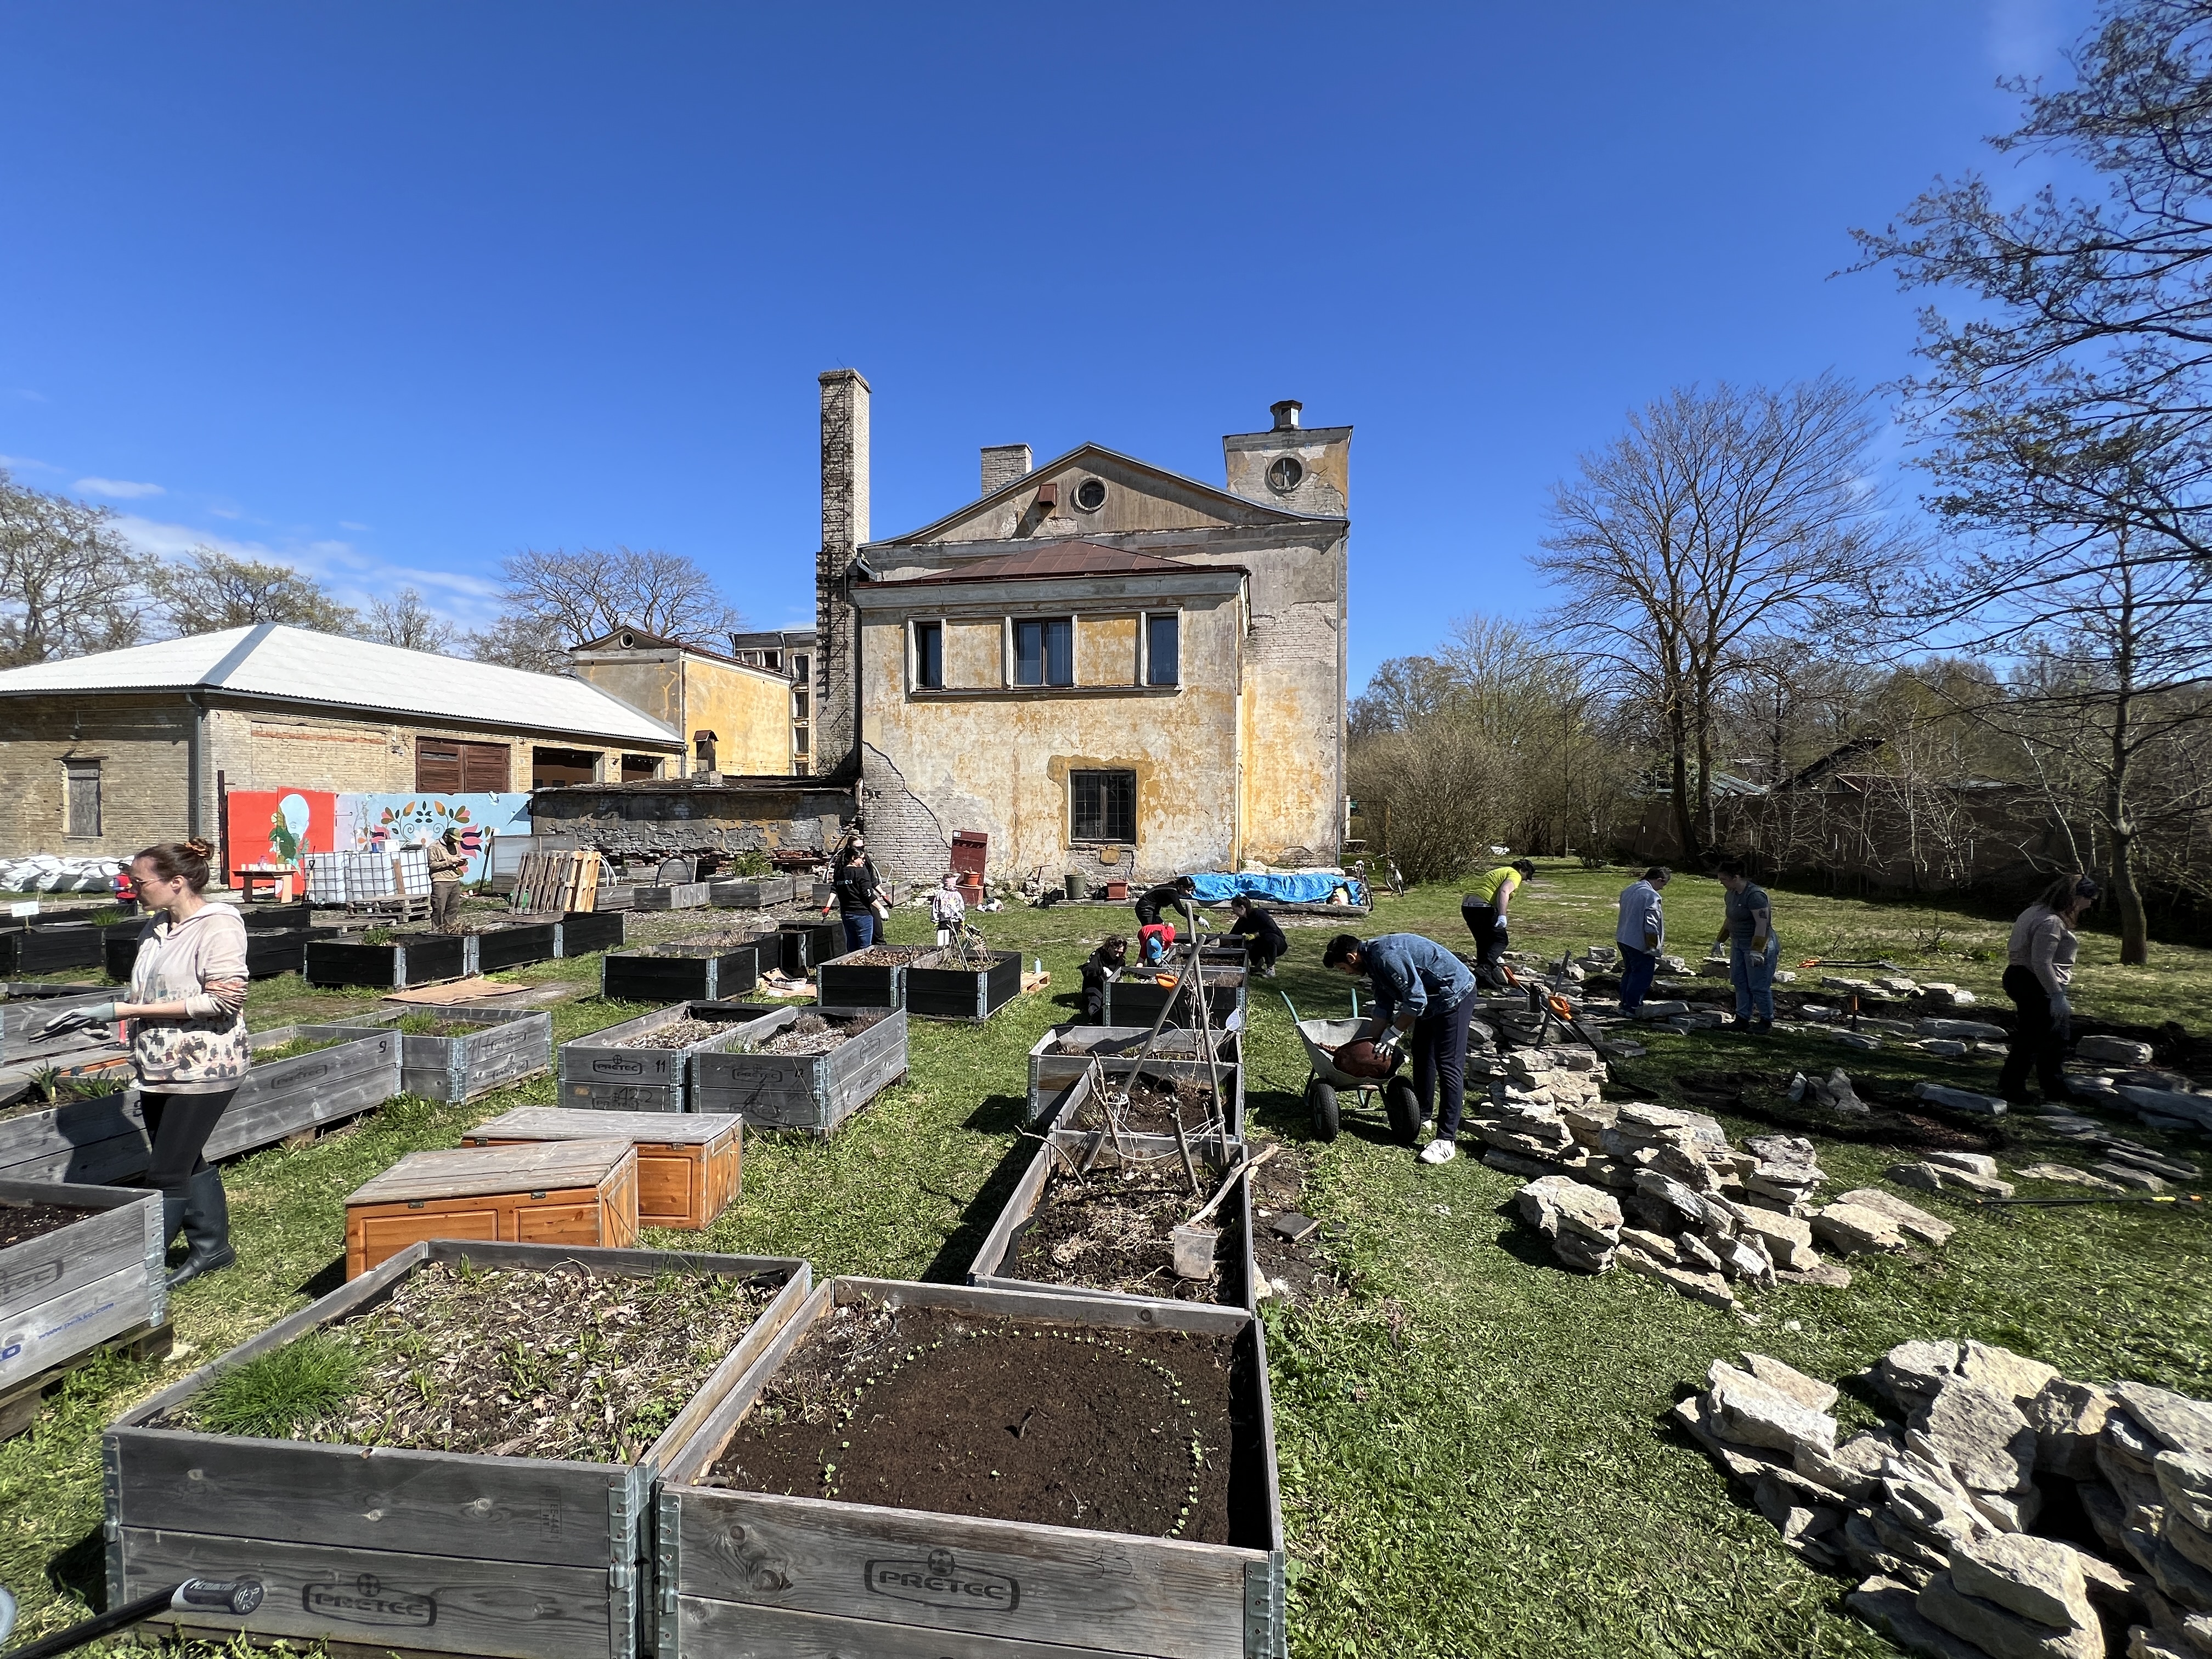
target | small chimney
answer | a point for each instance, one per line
(1286, 413)
(1003, 464)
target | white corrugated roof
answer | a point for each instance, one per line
(302, 666)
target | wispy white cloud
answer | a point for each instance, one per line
(25, 464)
(121, 489)
(348, 524)
(27, 394)
(225, 512)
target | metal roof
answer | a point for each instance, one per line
(298, 665)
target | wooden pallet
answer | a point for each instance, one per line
(556, 881)
(20, 1402)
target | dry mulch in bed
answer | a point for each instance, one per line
(1152, 1108)
(885, 956)
(22, 1223)
(813, 1034)
(510, 1363)
(1069, 1426)
(680, 1034)
(1109, 1230)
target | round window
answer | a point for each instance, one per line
(1090, 495)
(1284, 474)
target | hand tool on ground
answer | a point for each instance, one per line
(232, 1595)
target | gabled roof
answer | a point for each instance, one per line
(1061, 557)
(298, 665)
(1230, 509)
(641, 640)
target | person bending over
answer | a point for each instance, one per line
(1484, 912)
(1264, 944)
(1107, 958)
(1641, 933)
(1424, 997)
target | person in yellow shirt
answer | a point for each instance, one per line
(1484, 911)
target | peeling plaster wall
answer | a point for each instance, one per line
(638, 820)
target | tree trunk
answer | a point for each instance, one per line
(1685, 824)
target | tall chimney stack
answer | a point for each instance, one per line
(844, 528)
(1003, 464)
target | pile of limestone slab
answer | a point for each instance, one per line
(1937, 1509)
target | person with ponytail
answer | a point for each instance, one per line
(2038, 977)
(185, 1019)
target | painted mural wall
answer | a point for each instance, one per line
(370, 822)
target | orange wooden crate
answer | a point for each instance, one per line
(688, 1162)
(566, 1192)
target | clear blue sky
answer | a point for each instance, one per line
(393, 291)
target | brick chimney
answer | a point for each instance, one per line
(844, 528)
(1003, 464)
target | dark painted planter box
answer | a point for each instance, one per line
(776, 1577)
(512, 947)
(277, 917)
(424, 1552)
(68, 1291)
(583, 932)
(808, 944)
(600, 1074)
(1139, 1004)
(269, 951)
(679, 973)
(814, 1093)
(420, 959)
(1066, 1055)
(48, 949)
(973, 994)
(842, 983)
(513, 1043)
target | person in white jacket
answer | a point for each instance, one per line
(1641, 933)
(947, 908)
(2038, 977)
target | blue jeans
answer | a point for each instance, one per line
(860, 929)
(1753, 976)
(1638, 969)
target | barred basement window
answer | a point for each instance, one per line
(1103, 806)
(81, 780)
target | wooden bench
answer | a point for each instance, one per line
(688, 1163)
(566, 1192)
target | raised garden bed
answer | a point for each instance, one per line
(21, 1018)
(1137, 1001)
(682, 972)
(513, 945)
(808, 944)
(936, 991)
(803, 1068)
(635, 1066)
(689, 1164)
(676, 895)
(750, 892)
(582, 932)
(49, 950)
(1097, 1218)
(566, 1191)
(874, 977)
(1068, 1054)
(269, 951)
(457, 1054)
(418, 959)
(919, 1470)
(78, 1267)
(524, 1553)
(1153, 1101)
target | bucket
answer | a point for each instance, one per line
(1078, 888)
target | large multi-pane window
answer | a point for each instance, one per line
(1102, 806)
(1162, 649)
(929, 655)
(1044, 651)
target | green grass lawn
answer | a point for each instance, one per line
(1471, 1447)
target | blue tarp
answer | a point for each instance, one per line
(1217, 887)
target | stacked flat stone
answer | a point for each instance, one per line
(1936, 1510)
(1582, 1223)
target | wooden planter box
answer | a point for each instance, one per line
(750, 892)
(49, 950)
(68, 1291)
(1064, 1107)
(599, 1075)
(279, 918)
(512, 947)
(1062, 1146)
(424, 1552)
(513, 1043)
(844, 982)
(562, 1192)
(1054, 1068)
(689, 1164)
(582, 932)
(420, 959)
(1138, 1004)
(678, 896)
(19, 1021)
(770, 1578)
(815, 1093)
(972, 993)
(808, 944)
(269, 951)
(679, 973)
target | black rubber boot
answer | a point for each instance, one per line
(207, 1228)
(173, 1218)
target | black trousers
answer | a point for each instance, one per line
(1489, 930)
(2038, 1042)
(1438, 1044)
(179, 1125)
(1261, 952)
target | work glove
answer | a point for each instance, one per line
(2061, 1009)
(82, 1017)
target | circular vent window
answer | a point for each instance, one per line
(628, 640)
(1284, 474)
(1090, 495)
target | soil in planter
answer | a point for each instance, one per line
(504, 1361)
(20, 1223)
(679, 1034)
(813, 1033)
(1151, 1110)
(885, 956)
(1172, 1043)
(299, 1046)
(1108, 1231)
(1025, 1420)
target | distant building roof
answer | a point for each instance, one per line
(1062, 558)
(296, 665)
(627, 638)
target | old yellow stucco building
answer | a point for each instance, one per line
(1104, 666)
(734, 717)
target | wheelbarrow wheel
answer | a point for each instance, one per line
(1403, 1107)
(1320, 1101)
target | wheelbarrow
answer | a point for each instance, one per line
(1326, 1084)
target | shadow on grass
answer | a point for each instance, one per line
(998, 1115)
(331, 1278)
(81, 1570)
(951, 1263)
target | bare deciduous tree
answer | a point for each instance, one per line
(209, 590)
(409, 624)
(587, 594)
(68, 584)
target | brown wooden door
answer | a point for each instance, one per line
(447, 766)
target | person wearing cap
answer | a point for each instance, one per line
(2038, 977)
(1484, 911)
(1640, 934)
(1424, 1000)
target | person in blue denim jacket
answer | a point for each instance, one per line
(1424, 1001)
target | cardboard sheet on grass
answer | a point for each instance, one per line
(457, 990)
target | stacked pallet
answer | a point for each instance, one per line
(558, 881)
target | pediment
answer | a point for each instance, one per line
(1137, 496)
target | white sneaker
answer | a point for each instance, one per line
(1439, 1152)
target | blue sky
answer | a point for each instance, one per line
(391, 291)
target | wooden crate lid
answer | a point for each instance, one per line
(483, 1171)
(576, 1123)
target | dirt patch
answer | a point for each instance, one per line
(1897, 1117)
(1151, 1108)
(680, 1034)
(20, 1223)
(1025, 1420)
(1297, 1268)
(1109, 1230)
